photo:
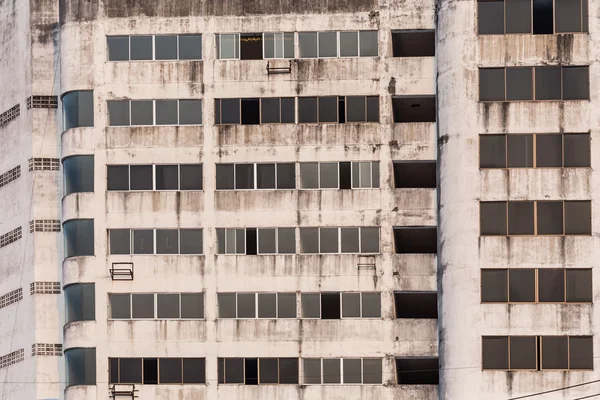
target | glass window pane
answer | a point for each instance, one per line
(246, 303)
(286, 240)
(328, 109)
(286, 176)
(230, 111)
(79, 237)
(576, 83)
(328, 44)
(520, 218)
(191, 241)
(576, 149)
(167, 241)
(225, 176)
(494, 285)
(227, 305)
(352, 370)
(369, 44)
(190, 47)
(78, 174)
(519, 83)
(550, 217)
(309, 175)
(142, 112)
(547, 79)
(167, 305)
(365, 174)
(192, 305)
(81, 366)
(554, 352)
(265, 176)
(120, 305)
(244, 176)
(269, 370)
(518, 16)
(118, 48)
(329, 240)
(490, 17)
(375, 174)
(141, 47)
(307, 109)
(372, 371)
(288, 371)
(543, 17)
(579, 286)
(351, 305)
(190, 112)
(143, 241)
(578, 217)
(269, 44)
(371, 305)
(369, 240)
(328, 175)
(194, 370)
(372, 108)
(308, 44)
(120, 241)
(266, 241)
(521, 284)
(166, 112)
(309, 240)
(170, 370)
(80, 300)
(142, 306)
(312, 371)
(267, 305)
(113, 370)
(350, 240)
(520, 151)
(230, 239)
(492, 151)
(288, 110)
(288, 46)
(141, 177)
(581, 352)
(549, 150)
(229, 46)
(331, 370)
(117, 177)
(355, 108)
(491, 84)
(495, 352)
(551, 285)
(286, 305)
(234, 370)
(220, 240)
(270, 110)
(330, 306)
(78, 109)
(311, 305)
(130, 370)
(167, 177)
(348, 44)
(118, 112)
(523, 352)
(190, 177)
(165, 47)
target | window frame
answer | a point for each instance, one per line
(154, 189)
(118, 372)
(256, 305)
(339, 236)
(130, 101)
(177, 35)
(282, 33)
(338, 43)
(156, 318)
(154, 242)
(341, 361)
(223, 361)
(255, 177)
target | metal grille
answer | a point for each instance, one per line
(44, 164)
(11, 237)
(10, 114)
(46, 349)
(10, 175)
(12, 358)
(44, 225)
(11, 297)
(44, 288)
(42, 102)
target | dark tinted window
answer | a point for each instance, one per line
(547, 79)
(492, 151)
(415, 174)
(250, 111)
(79, 237)
(348, 44)
(141, 177)
(551, 285)
(414, 109)
(191, 241)
(520, 151)
(413, 43)
(328, 109)
(192, 306)
(328, 44)
(549, 150)
(581, 352)
(523, 352)
(80, 366)
(492, 217)
(165, 47)
(142, 306)
(415, 240)
(543, 18)
(356, 108)
(225, 177)
(521, 285)
(550, 217)
(142, 112)
(270, 110)
(569, 15)
(579, 285)
(490, 17)
(244, 176)
(372, 108)
(78, 109)
(130, 370)
(330, 306)
(80, 302)
(167, 305)
(120, 305)
(190, 112)
(307, 42)
(576, 150)
(519, 83)
(307, 109)
(491, 84)
(495, 352)
(555, 352)
(328, 240)
(286, 305)
(520, 218)
(312, 371)
(143, 241)
(150, 371)
(331, 370)
(190, 177)
(234, 370)
(118, 48)
(518, 16)
(288, 371)
(117, 177)
(309, 240)
(141, 47)
(167, 177)
(190, 47)
(494, 285)
(120, 241)
(288, 110)
(369, 43)
(269, 370)
(167, 241)
(79, 174)
(118, 112)
(286, 176)
(372, 371)
(578, 217)
(576, 83)
(170, 370)
(417, 371)
(230, 111)
(166, 112)
(194, 370)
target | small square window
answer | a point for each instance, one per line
(142, 306)
(520, 218)
(142, 112)
(192, 305)
(141, 48)
(190, 47)
(167, 177)
(328, 44)
(118, 48)
(190, 112)
(120, 241)
(167, 305)
(165, 47)
(167, 241)
(143, 241)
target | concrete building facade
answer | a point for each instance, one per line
(271, 199)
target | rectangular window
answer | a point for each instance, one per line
(278, 45)
(328, 371)
(416, 305)
(339, 240)
(415, 174)
(415, 240)
(338, 44)
(228, 46)
(553, 218)
(159, 47)
(258, 371)
(257, 305)
(361, 305)
(515, 16)
(416, 108)
(413, 43)
(252, 241)
(518, 83)
(417, 370)
(256, 176)
(152, 371)
(155, 241)
(342, 175)
(338, 109)
(154, 112)
(166, 177)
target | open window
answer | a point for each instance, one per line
(414, 108)
(417, 370)
(416, 305)
(415, 174)
(413, 43)
(415, 240)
